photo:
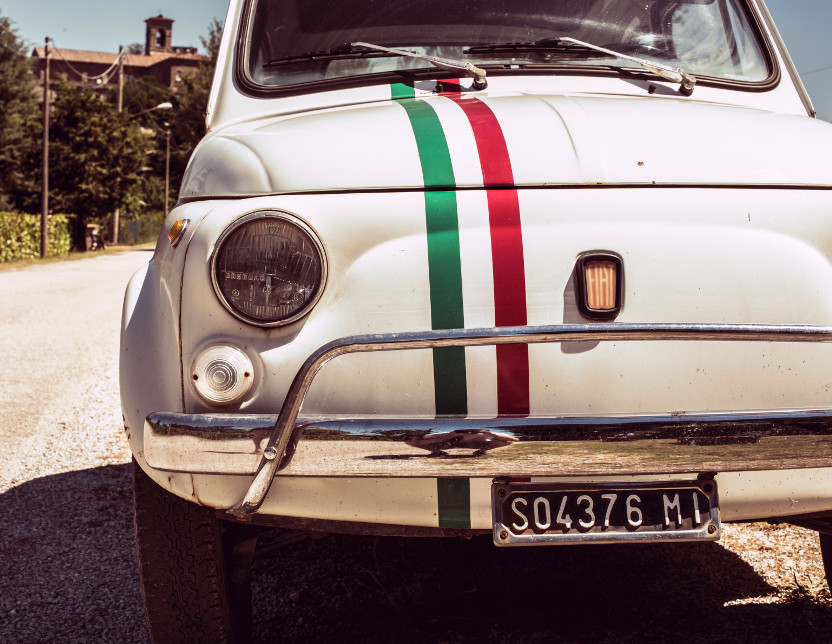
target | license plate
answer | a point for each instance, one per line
(552, 513)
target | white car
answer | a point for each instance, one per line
(556, 271)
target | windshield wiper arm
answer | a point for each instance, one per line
(448, 64)
(675, 75)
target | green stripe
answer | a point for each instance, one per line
(454, 503)
(400, 90)
(444, 262)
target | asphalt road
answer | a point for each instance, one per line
(67, 566)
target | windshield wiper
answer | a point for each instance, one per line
(568, 45)
(674, 74)
(342, 52)
(447, 64)
(543, 46)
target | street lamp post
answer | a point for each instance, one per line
(167, 166)
(167, 105)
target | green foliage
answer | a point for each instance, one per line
(190, 105)
(100, 160)
(18, 111)
(141, 230)
(20, 236)
(96, 155)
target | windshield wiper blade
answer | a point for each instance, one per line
(685, 79)
(344, 51)
(447, 64)
(545, 45)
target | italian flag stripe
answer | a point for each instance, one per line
(444, 263)
(506, 251)
(400, 90)
(454, 502)
(445, 270)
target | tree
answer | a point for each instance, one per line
(18, 111)
(96, 156)
(140, 94)
(191, 102)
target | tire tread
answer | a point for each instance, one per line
(181, 572)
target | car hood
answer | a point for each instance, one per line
(551, 140)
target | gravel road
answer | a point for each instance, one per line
(67, 566)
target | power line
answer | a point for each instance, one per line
(105, 76)
(815, 71)
(159, 88)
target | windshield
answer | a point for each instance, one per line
(302, 41)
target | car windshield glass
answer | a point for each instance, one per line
(302, 41)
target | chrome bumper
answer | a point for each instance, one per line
(586, 446)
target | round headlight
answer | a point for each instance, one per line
(268, 268)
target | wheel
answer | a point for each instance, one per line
(826, 553)
(193, 568)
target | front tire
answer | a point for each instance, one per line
(185, 559)
(826, 553)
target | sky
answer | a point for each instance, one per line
(805, 26)
(103, 25)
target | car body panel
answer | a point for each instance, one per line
(552, 141)
(717, 205)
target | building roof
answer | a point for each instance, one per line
(106, 58)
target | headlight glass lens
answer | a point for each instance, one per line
(269, 268)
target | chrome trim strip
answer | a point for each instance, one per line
(568, 446)
(276, 454)
(276, 449)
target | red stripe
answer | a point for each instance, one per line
(506, 251)
(449, 85)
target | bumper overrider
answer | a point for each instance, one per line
(263, 445)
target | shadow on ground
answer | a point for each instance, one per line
(435, 590)
(67, 563)
(68, 574)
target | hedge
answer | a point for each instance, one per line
(20, 236)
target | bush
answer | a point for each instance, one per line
(20, 236)
(141, 230)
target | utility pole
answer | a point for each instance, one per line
(44, 213)
(114, 223)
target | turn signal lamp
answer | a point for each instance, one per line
(222, 375)
(600, 283)
(177, 231)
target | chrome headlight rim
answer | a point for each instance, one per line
(268, 213)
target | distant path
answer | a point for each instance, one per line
(59, 325)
